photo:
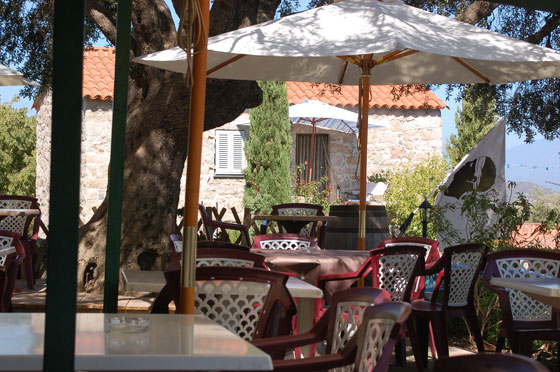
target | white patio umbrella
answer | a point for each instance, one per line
(352, 41)
(317, 113)
(13, 77)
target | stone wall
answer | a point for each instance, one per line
(405, 135)
(220, 191)
(398, 137)
(96, 145)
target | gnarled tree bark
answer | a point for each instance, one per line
(157, 132)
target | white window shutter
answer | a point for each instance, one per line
(230, 156)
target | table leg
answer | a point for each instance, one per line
(305, 314)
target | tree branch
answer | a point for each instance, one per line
(99, 15)
(551, 24)
(476, 12)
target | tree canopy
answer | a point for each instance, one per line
(473, 120)
(268, 150)
(158, 102)
(17, 151)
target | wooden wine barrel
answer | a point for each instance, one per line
(343, 234)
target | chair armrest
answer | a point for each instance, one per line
(271, 344)
(320, 363)
(432, 268)
(36, 225)
(324, 279)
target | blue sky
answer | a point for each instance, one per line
(538, 162)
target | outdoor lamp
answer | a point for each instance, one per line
(425, 216)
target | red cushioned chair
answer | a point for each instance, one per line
(9, 265)
(20, 225)
(524, 319)
(461, 265)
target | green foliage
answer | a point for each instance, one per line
(268, 150)
(510, 216)
(17, 151)
(488, 220)
(543, 204)
(408, 187)
(473, 121)
(313, 192)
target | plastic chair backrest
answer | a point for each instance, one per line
(488, 362)
(290, 242)
(18, 224)
(431, 246)
(252, 303)
(527, 264)
(395, 269)
(346, 312)
(299, 209)
(378, 335)
(228, 258)
(461, 264)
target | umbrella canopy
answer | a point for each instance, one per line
(13, 77)
(324, 115)
(356, 41)
(410, 46)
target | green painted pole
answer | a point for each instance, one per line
(116, 169)
(62, 256)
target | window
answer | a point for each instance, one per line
(230, 156)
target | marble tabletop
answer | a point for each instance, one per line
(546, 290)
(120, 342)
(153, 281)
(18, 212)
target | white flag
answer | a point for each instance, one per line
(482, 170)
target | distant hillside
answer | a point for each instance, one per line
(534, 163)
(528, 187)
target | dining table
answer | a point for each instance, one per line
(294, 224)
(125, 342)
(18, 212)
(545, 290)
(309, 265)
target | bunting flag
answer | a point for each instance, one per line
(482, 170)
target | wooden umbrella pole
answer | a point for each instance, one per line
(364, 86)
(198, 95)
(312, 156)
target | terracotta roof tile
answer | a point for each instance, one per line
(99, 73)
(347, 96)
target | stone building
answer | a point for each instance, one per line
(408, 128)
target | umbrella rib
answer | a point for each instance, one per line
(341, 79)
(395, 55)
(472, 69)
(224, 64)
